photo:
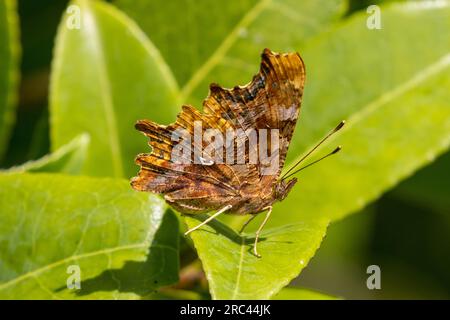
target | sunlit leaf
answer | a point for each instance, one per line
(105, 76)
(394, 94)
(122, 241)
(234, 272)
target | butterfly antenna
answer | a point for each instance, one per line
(314, 162)
(338, 127)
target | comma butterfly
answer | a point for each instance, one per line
(228, 158)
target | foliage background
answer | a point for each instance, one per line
(403, 229)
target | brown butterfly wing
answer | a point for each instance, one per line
(189, 187)
(270, 101)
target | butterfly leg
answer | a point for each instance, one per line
(255, 250)
(247, 222)
(209, 219)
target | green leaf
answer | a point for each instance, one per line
(105, 76)
(233, 272)
(394, 93)
(301, 294)
(121, 240)
(9, 69)
(67, 159)
(220, 42)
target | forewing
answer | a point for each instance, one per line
(271, 101)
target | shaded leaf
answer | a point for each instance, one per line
(105, 76)
(67, 159)
(9, 65)
(233, 272)
(49, 222)
(174, 294)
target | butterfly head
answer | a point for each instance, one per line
(283, 187)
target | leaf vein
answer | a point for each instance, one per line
(223, 48)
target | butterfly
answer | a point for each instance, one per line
(187, 165)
